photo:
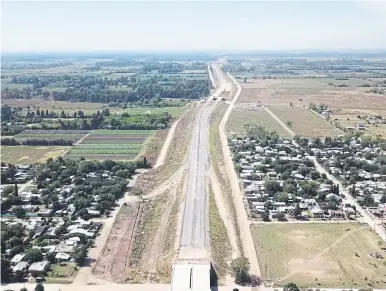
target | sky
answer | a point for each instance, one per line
(57, 26)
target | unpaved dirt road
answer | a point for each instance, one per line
(242, 219)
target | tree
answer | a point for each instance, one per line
(80, 254)
(19, 212)
(265, 216)
(33, 255)
(281, 216)
(240, 270)
(272, 186)
(314, 175)
(291, 287)
(7, 190)
(39, 287)
(283, 197)
(5, 270)
(297, 210)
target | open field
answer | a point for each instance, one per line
(89, 108)
(22, 102)
(303, 91)
(73, 135)
(244, 114)
(325, 255)
(30, 154)
(174, 111)
(111, 144)
(72, 106)
(304, 122)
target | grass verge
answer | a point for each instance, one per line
(217, 162)
(165, 261)
(175, 157)
(219, 242)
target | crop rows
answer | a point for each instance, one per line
(111, 144)
(73, 135)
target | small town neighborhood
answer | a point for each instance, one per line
(281, 182)
(52, 213)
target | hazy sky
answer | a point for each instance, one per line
(183, 25)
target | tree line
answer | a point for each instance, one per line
(36, 142)
(97, 89)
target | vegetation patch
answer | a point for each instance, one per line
(217, 158)
(109, 144)
(175, 157)
(219, 241)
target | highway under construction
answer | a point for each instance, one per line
(192, 268)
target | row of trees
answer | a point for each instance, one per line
(36, 142)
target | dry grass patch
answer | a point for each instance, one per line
(175, 157)
(219, 242)
(244, 114)
(325, 255)
(30, 154)
(304, 122)
(165, 261)
(152, 249)
(153, 147)
(217, 162)
(22, 102)
(303, 91)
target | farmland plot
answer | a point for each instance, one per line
(304, 122)
(74, 135)
(112, 144)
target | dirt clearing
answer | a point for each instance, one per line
(325, 255)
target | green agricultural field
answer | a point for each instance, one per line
(174, 111)
(50, 135)
(112, 144)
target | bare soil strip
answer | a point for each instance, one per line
(113, 261)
